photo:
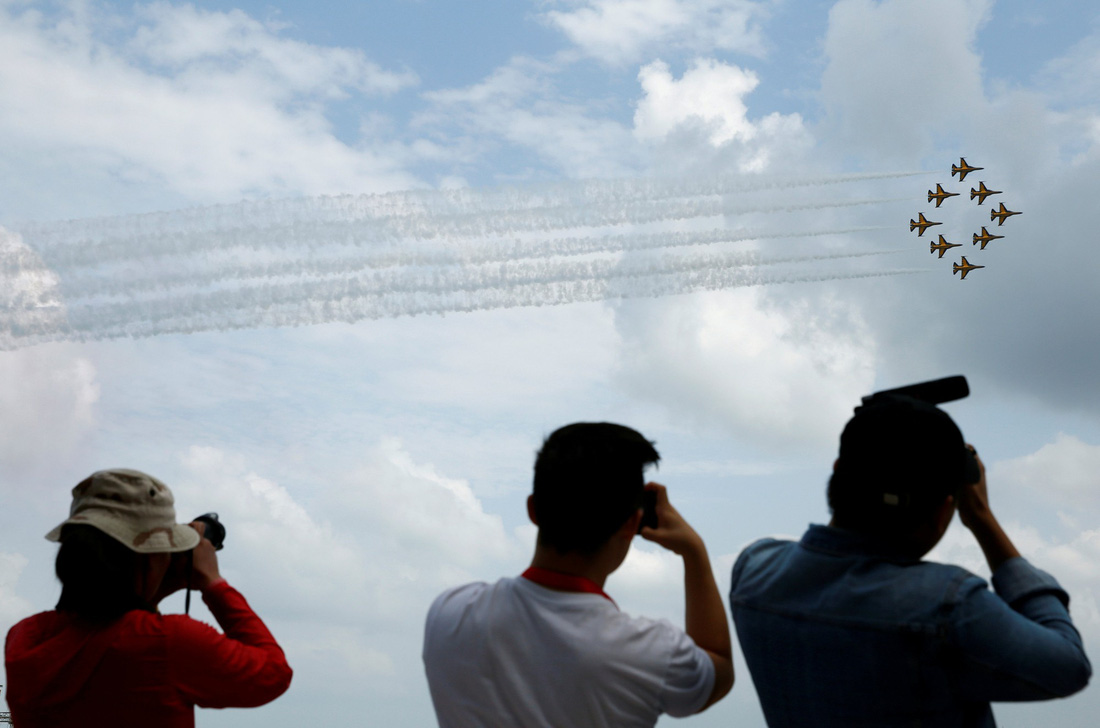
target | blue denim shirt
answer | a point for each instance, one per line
(838, 631)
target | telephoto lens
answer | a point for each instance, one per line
(215, 531)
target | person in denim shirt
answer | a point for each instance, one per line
(849, 628)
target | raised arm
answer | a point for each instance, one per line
(705, 619)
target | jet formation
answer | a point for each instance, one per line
(980, 193)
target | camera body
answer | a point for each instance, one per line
(934, 392)
(215, 530)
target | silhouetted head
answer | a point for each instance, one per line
(588, 482)
(900, 459)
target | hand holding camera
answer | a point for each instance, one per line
(672, 531)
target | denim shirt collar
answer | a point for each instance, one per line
(842, 542)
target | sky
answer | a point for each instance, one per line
(333, 270)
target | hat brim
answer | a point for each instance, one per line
(177, 538)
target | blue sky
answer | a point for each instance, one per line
(363, 467)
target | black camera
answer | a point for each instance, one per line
(649, 510)
(935, 391)
(215, 531)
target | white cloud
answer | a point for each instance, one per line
(705, 110)
(621, 31)
(1066, 468)
(772, 375)
(709, 92)
(901, 71)
(371, 546)
(211, 105)
(12, 606)
(518, 104)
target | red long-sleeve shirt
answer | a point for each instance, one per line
(144, 669)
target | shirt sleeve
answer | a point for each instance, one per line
(242, 668)
(1019, 643)
(689, 680)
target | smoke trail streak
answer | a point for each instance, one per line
(89, 282)
(350, 310)
(81, 251)
(464, 279)
(295, 262)
(432, 203)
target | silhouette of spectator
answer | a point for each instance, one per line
(105, 656)
(550, 648)
(849, 627)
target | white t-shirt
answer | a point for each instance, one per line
(516, 653)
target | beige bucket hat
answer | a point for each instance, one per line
(136, 509)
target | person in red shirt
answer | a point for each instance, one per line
(105, 656)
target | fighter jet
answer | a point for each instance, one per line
(940, 195)
(922, 224)
(1001, 215)
(964, 266)
(963, 169)
(943, 246)
(984, 238)
(982, 192)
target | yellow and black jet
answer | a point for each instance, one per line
(1001, 215)
(965, 267)
(943, 246)
(921, 223)
(982, 192)
(940, 194)
(963, 169)
(984, 238)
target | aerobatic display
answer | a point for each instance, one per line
(943, 246)
(982, 192)
(940, 194)
(921, 223)
(984, 238)
(965, 267)
(963, 169)
(1001, 215)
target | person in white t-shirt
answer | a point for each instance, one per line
(550, 648)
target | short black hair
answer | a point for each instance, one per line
(588, 482)
(97, 574)
(899, 459)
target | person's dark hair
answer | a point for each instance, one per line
(97, 575)
(588, 482)
(899, 459)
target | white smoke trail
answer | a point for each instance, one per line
(297, 262)
(85, 282)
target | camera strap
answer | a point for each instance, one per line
(190, 566)
(564, 582)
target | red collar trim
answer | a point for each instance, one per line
(564, 582)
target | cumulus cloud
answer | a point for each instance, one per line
(708, 103)
(1066, 469)
(771, 375)
(620, 31)
(208, 104)
(377, 543)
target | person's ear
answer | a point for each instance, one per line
(944, 513)
(630, 528)
(531, 510)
